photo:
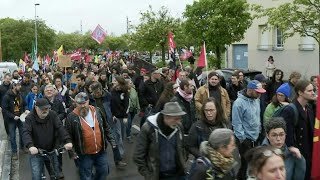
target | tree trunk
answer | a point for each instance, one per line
(163, 52)
(218, 54)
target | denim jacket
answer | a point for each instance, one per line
(295, 168)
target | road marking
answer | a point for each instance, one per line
(136, 127)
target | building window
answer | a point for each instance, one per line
(307, 44)
(263, 38)
(278, 41)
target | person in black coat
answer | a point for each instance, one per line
(300, 134)
(12, 107)
(56, 105)
(4, 87)
(41, 130)
(119, 109)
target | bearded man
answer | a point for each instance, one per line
(89, 130)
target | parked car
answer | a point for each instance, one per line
(249, 74)
(7, 67)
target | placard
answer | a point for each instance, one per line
(65, 61)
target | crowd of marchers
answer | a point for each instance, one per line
(243, 129)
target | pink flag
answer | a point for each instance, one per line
(202, 61)
(99, 34)
(171, 43)
(186, 55)
(76, 55)
(87, 57)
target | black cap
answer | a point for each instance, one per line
(43, 103)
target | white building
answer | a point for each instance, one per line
(296, 53)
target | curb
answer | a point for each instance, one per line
(5, 160)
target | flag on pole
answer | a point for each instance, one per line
(171, 43)
(315, 170)
(35, 65)
(76, 55)
(25, 58)
(60, 51)
(99, 34)
(47, 60)
(202, 61)
(22, 66)
(186, 54)
(87, 57)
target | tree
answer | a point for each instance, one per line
(298, 17)
(70, 41)
(153, 30)
(218, 23)
(18, 35)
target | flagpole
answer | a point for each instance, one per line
(0, 48)
(205, 59)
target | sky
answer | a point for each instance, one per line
(67, 15)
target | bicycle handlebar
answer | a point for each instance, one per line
(56, 151)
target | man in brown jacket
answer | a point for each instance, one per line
(213, 89)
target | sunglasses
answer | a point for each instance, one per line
(269, 153)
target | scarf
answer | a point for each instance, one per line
(187, 97)
(221, 162)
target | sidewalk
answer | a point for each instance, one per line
(5, 153)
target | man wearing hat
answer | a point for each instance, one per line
(89, 132)
(159, 152)
(246, 120)
(139, 79)
(42, 130)
(12, 107)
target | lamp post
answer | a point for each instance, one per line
(35, 27)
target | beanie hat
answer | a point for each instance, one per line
(260, 78)
(285, 89)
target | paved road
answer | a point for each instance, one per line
(70, 171)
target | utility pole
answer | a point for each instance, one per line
(128, 25)
(0, 48)
(81, 27)
(35, 27)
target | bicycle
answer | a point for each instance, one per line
(48, 155)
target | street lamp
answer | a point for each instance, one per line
(35, 27)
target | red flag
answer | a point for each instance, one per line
(26, 59)
(76, 55)
(315, 170)
(99, 34)
(202, 61)
(87, 57)
(186, 55)
(47, 59)
(171, 43)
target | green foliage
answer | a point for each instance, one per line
(17, 37)
(298, 17)
(218, 23)
(152, 33)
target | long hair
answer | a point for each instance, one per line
(166, 94)
(273, 79)
(276, 102)
(219, 117)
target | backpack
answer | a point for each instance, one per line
(278, 113)
(193, 166)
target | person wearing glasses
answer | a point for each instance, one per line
(275, 136)
(42, 129)
(266, 163)
(211, 119)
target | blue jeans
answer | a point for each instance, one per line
(119, 134)
(13, 125)
(37, 163)
(99, 161)
(129, 123)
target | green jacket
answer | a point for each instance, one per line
(134, 105)
(271, 108)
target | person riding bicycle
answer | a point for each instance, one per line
(41, 130)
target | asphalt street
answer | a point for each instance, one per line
(70, 170)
